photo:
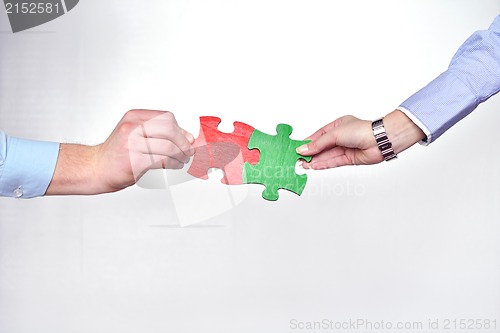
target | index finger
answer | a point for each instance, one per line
(165, 127)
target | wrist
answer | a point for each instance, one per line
(401, 131)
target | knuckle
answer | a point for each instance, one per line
(126, 127)
(169, 116)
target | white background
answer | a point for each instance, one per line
(410, 240)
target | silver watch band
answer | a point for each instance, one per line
(383, 142)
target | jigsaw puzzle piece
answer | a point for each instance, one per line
(226, 151)
(276, 167)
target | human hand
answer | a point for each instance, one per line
(142, 140)
(345, 141)
(350, 141)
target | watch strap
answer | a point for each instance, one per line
(383, 142)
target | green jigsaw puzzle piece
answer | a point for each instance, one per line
(276, 167)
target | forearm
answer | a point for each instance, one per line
(75, 171)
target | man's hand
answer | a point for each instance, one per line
(142, 140)
(350, 141)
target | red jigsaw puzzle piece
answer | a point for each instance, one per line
(225, 151)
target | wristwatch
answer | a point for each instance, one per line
(383, 142)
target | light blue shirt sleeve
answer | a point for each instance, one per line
(472, 77)
(26, 166)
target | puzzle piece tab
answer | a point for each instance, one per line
(276, 168)
(226, 151)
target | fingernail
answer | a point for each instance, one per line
(302, 149)
(304, 166)
(190, 137)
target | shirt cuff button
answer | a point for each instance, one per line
(18, 192)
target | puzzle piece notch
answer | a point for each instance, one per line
(226, 151)
(276, 167)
